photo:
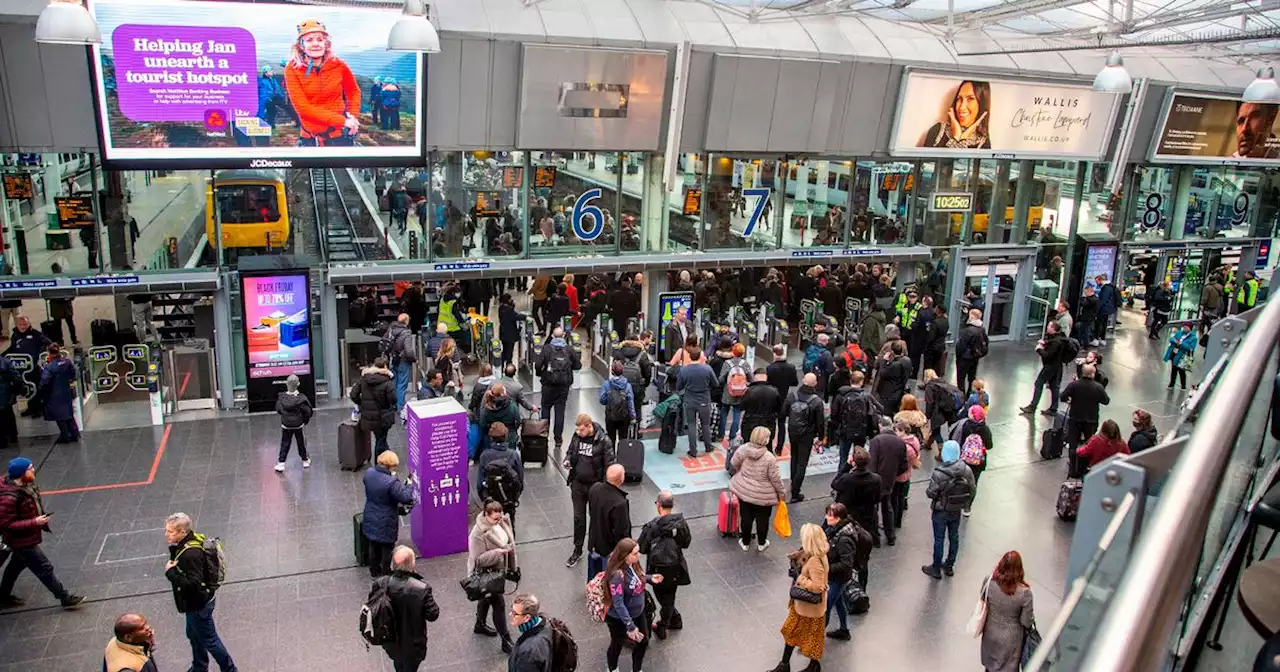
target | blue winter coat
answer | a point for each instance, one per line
(56, 385)
(382, 496)
(269, 91)
(622, 385)
(1180, 347)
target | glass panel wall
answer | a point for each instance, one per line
(1151, 203)
(486, 187)
(631, 201)
(730, 215)
(1097, 207)
(684, 203)
(573, 178)
(942, 229)
(35, 238)
(881, 193)
(817, 201)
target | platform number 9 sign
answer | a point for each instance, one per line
(762, 195)
(1240, 209)
(1151, 215)
(582, 209)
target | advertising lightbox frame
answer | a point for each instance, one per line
(261, 392)
(1153, 154)
(273, 157)
(944, 153)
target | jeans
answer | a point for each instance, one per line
(835, 591)
(404, 370)
(733, 416)
(555, 397)
(205, 641)
(1046, 379)
(697, 416)
(380, 441)
(759, 515)
(1086, 333)
(595, 564)
(945, 524)
(287, 437)
(846, 447)
(35, 560)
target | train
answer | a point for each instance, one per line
(253, 208)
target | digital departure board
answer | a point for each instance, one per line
(512, 177)
(488, 203)
(74, 211)
(544, 176)
(692, 201)
(18, 185)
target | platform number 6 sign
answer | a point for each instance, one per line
(762, 195)
(583, 208)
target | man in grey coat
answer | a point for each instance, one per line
(888, 459)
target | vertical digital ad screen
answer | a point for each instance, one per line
(277, 325)
(229, 84)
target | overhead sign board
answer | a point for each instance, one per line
(544, 176)
(230, 84)
(1217, 130)
(940, 201)
(948, 115)
(74, 211)
(18, 185)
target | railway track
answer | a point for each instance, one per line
(334, 222)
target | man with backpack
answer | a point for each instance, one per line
(535, 649)
(555, 366)
(761, 405)
(195, 571)
(397, 346)
(972, 345)
(943, 401)
(23, 522)
(807, 426)
(396, 614)
(951, 488)
(819, 362)
(589, 456)
(855, 416)
(501, 472)
(637, 368)
(663, 540)
(735, 377)
(1054, 350)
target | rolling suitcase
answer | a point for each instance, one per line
(727, 514)
(52, 329)
(353, 446)
(1054, 440)
(1068, 506)
(533, 441)
(358, 542)
(670, 433)
(631, 456)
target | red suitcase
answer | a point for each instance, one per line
(727, 514)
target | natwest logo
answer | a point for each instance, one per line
(270, 163)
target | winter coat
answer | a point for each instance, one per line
(756, 478)
(940, 481)
(11, 385)
(761, 406)
(1008, 617)
(967, 341)
(532, 652)
(375, 395)
(413, 606)
(121, 656)
(483, 550)
(187, 577)
(509, 322)
(1142, 439)
(813, 578)
(56, 380)
(719, 363)
(609, 517)
(871, 337)
(1098, 448)
(842, 554)
(383, 495)
(589, 468)
(322, 96)
(401, 344)
(623, 386)
(840, 427)
(492, 454)
(782, 375)
(629, 350)
(294, 409)
(663, 540)
(624, 304)
(19, 507)
(888, 459)
(482, 385)
(914, 419)
(894, 377)
(29, 342)
(1085, 396)
(505, 411)
(725, 397)
(1182, 347)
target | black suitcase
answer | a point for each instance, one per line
(631, 456)
(102, 332)
(672, 424)
(533, 441)
(52, 329)
(353, 446)
(1051, 443)
(358, 542)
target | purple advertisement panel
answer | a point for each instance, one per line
(437, 437)
(184, 73)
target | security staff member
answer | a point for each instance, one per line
(1247, 294)
(907, 308)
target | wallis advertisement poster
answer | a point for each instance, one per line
(217, 81)
(1210, 129)
(942, 115)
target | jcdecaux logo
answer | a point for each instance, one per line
(270, 163)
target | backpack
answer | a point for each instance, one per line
(564, 651)
(736, 384)
(502, 483)
(811, 357)
(798, 419)
(1070, 350)
(631, 371)
(377, 618)
(981, 346)
(215, 562)
(973, 451)
(956, 397)
(856, 358)
(855, 414)
(391, 97)
(957, 494)
(559, 368)
(595, 598)
(386, 344)
(616, 408)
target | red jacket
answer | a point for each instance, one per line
(18, 511)
(1100, 448)
(323, 98)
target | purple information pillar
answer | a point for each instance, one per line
(438, 460)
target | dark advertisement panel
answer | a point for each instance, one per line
(227, 84)
(18, 185)
(1211, 129)
(74, 211)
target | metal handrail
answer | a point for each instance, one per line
(1135, 631)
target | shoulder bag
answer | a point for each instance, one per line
(978, 620)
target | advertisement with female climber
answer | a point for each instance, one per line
(260, 85)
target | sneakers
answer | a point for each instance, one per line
(761, 547)
(797, 498)
(72, 601)
(932, 571)
(842, 634)
(279, 466)
(1027, 410)
(743, 545)
(306, 463)
(965, 513)
(1048, 412)
(573, 559)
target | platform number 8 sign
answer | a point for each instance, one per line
(1151, 216)
(582, 208)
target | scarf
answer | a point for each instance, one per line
(529, 624)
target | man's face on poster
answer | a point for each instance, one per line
(1253, 128)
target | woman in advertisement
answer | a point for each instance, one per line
(967, 117)
(323, 90)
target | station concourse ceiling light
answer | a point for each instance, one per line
(413, 31)
(67, 22)
(1113, 78)
(1263, 89)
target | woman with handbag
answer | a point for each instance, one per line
(805, 627)
(842, 557)
(1010, 616)
(624, 603)
(491, 551)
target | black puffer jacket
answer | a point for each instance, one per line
(375, 395)
(843, 552)
(294, 409)
(663, 541)
(1142, 439)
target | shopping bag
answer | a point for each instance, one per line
(782, 521)
(978, 620)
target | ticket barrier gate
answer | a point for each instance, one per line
(187, 380)
(532, 347)
(605, 339)
(635, 325)
(771, 331)
(854, 311)
(810, 309)
(745, 327)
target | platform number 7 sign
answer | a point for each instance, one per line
(762, 195)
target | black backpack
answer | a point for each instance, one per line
(632, 372)
(386, 344)
(1070, 350)
(502, 483)
(956, 494)
(855, 414)
(981, 346)
(559, 369)
(564, 651)
(377, 618)
(616, 408)
(798, 419)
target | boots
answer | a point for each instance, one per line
(782, 667)
(484, 629)
(814, 666)
(506, 644)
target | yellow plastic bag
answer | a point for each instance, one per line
(782, 520)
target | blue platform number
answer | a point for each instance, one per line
(762, 195)
(581, 209)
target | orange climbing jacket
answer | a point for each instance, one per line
(322, 96)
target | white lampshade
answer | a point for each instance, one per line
(1113, 78)
(413, 31)
(1263, 89)
(65, 22)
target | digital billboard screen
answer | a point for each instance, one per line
(1213, 129)
(227, 84)
(277, 325)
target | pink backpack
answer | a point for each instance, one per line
(595, 598)
(973, 452)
